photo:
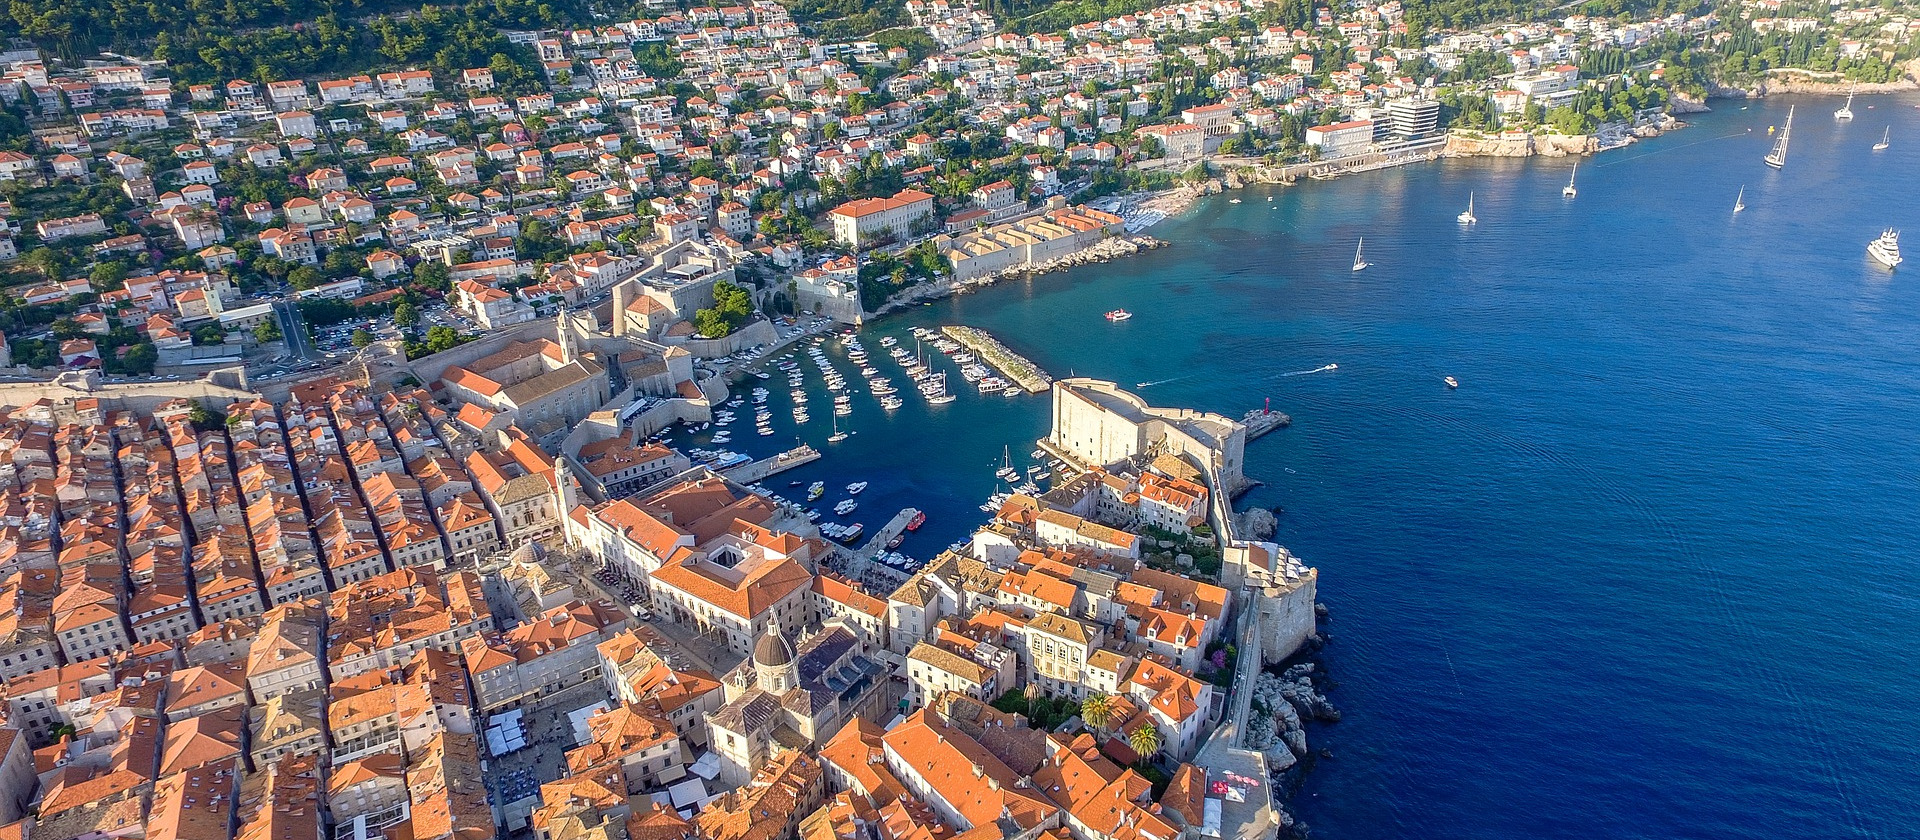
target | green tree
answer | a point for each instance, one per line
(432, 274)
(209, 334)
(305, 277)
(1097, 710)
(268, 330)
(140, 359)
(1144, 740)
(441, 338)
(405, 315)
(362, 338)
(108, 277)
(50, 263)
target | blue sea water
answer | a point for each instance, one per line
(1648, 573)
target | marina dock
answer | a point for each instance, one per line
(1011, 365)
(753, 471)
(1263, 420)
(859, 563)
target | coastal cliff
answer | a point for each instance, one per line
(1789, 80)
(1521, 145)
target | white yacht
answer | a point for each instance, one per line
(1886, 249)
(1846, 111)
(1885, 136)
(1568, 190)
(1466, 218)
(1359, 261)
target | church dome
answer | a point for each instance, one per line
(772, 650)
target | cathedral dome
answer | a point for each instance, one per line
(772, 650)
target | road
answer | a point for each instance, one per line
(298, 342)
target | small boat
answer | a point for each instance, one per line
(845, 507)
(816, 490)
(1233, 201)
(855, 488)
(1118, 315)
(943, 399)
(1846, 111)
(1885, 136)
(1359, 261)
(851, 532)
(896, 541)
(1778, 157)
(919, 519)
(1886, 249)
(1740, 200)
(1466, 218)
(837, 435)
(763, 374)
(1568, 190)
(1452, 383)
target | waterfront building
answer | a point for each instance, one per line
(1413, 118)
(858, 223)
(1097, 424)
(1341, 139)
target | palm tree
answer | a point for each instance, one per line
(1033, 693)
(1144, 740)
(1097, 711)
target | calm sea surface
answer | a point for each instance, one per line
(1649, 572)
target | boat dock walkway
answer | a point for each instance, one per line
(1011, 365)
(753, 471)
(859, 563)
(1263, 420)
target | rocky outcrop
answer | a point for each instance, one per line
(1684, 104)
(1290, 700)
(1257, 524)
(1788, 80)
(1461, 145)
(1513, 144)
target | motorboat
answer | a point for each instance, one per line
(855, 488)
(1119, 315)
(845, 507)
(1452, 383)
(816, 490)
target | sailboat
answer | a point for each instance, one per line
(1846, 111)
(1740, 201)
(1466, 218)
(1006, 470)
(1360, 262)
(837, 435)
(1884, 137)
(1568, 190)
(1778, 157)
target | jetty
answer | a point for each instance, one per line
(1263, 420)
(858, 565)
(1011, 365)
(753, 471)
(1099, 252)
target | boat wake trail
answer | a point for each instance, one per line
(1320, 369)
(1161, 381)
(1668, 149)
